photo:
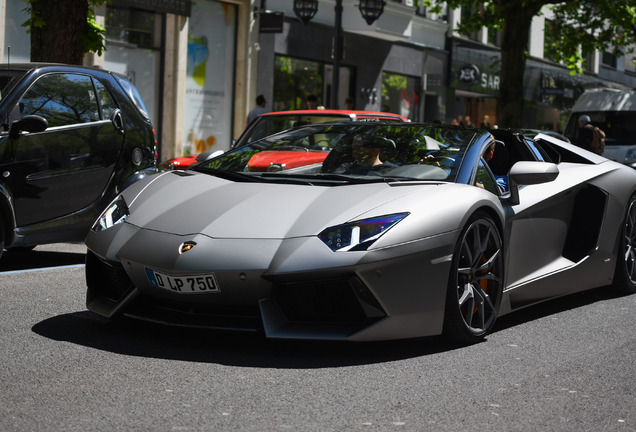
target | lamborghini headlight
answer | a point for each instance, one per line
(115, 213)
(359, 235)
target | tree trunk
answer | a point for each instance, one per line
(516, 31)
(59, 39)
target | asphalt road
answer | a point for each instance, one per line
(567, 365)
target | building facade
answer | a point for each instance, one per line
(200, 65)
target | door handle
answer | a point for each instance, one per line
(118, 120)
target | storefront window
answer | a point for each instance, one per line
(134, 26)
(15, 35)
(209, 104)
(133, 48)
(401, 94)
(294, 79)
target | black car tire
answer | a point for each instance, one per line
(475, 284)
(1, 235)
(625, 273)
(20, 249)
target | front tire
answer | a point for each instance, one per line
(476, 281)
(625, 273)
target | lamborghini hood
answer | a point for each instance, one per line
(195, 203)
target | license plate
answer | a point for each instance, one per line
(184, 284)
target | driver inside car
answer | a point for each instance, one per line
(365, 151)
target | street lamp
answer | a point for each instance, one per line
(371, 10)
(305, 11)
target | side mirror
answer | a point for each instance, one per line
(208, 155)
(30, 123)
(530, 173)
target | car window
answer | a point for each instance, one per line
(484, 178)
(133, 93)
(541, 157)
(619, 126)
(106, 101)
(62, 99)
(7, 79)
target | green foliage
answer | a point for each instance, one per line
(93, 35)
(579, 27)
(585, 26)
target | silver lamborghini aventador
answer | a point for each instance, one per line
(403, 230)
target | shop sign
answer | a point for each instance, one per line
(432, 82)
(470, 75)
(270, 22)
(177, 7)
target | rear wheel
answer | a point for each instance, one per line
(625, 273)
(476, 281)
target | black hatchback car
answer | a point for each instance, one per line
(71, 139)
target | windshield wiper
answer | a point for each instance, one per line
(227, 175)
(338, 178)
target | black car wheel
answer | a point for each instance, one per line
(1, 235)
(625, 273)
(476, 281)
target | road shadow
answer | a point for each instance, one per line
(555, 306)
(34, 259)
(136, 338)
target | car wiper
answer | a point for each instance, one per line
(338, 178)
(255, 177)
(227, 175)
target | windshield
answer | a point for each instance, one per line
(267, 125)
(350, 151)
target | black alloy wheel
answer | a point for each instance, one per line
(625, 273)
(476, 281)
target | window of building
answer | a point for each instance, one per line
(609, 60)
(294, 79)
(550, 37)
(15, 36)
(465, 17)
(401, 94)
(436, 12)
(133, 48)
(133, 26)
(588, 62)
(494, 37)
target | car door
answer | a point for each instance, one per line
(66, 167)
(554, 228)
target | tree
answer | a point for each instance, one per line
(63, 31)
(578, 28)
